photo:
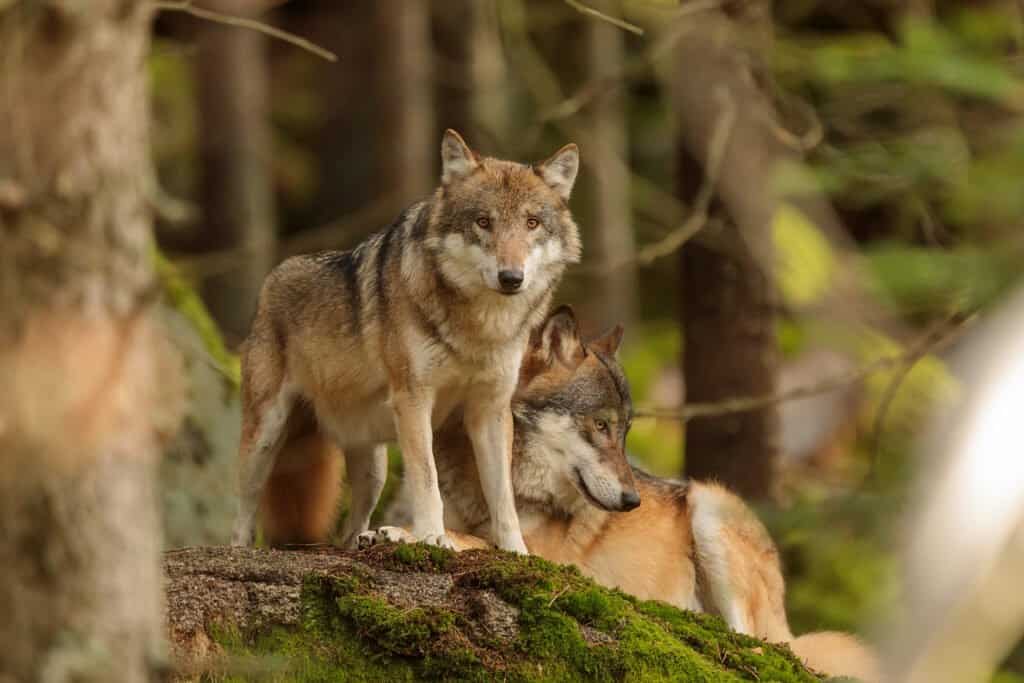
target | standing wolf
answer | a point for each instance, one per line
(386, 340)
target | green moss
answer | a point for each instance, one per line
(569, 629)
(183, 298)
(423, 557)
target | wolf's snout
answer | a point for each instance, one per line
(630, 500)
(510, 280)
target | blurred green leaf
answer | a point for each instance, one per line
(806, 264)
(928, 54)
(923, 279)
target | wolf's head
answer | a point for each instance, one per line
(572, 413)
(503, 226)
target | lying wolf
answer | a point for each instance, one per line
(384, 342)
(691, 544)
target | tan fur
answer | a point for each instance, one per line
(384, 342)
(833, 652)
(691, 544)
(301, 499)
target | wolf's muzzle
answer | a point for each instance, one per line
(630, 501)
(510, 281)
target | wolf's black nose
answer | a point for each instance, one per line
(630, 500)
(510, 280)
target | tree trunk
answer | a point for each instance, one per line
(728, 302)
(398, 613)
(607, 163)
(473, 88)
(84, 401)
(235, 148)
(407, 143)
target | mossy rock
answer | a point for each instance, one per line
(402, 613)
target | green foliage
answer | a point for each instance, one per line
(569, 629)
(926, 54)
(835, 556)
(653, 349)
(806, 264)
(929, 280)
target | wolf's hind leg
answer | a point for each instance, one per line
(263, 433)
(366, 470)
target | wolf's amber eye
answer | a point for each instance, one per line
(532, 223)
(484, 222)
(601, 425)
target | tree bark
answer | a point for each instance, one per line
(607, 160)
(729, 300)
(84, 400)
(407, 140)
(236, 151)
(473, 88)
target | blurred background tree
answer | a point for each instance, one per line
(794, 205)
(91, 388)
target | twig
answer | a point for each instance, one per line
(698, 217)
(588, 92)
(242, 22)
(615, 21)
(954, 322)
(929, 343)
(328, 236)
(558, 595)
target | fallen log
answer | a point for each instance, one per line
(411, 612)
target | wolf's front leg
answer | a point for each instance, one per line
(416, 440)
(489, 425)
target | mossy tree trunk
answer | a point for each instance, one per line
(84, 399)
(413, 612)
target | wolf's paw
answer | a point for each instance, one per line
(440, 540)
(385, 534)
(514, 544)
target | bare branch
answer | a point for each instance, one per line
(325, 237)
(911, 359)
(698, 217)
(189, 8)
(930, 343)
(615, 21)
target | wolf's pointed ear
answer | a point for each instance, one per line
(457, 159)
(608, 343)
(559, 338)
(559, 171)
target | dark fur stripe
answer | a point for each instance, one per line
(618, 379)
(433, 332)
(346, 263)
(382, 262)
(419, 227)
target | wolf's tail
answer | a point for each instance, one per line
(838, 654)
(300, 502)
